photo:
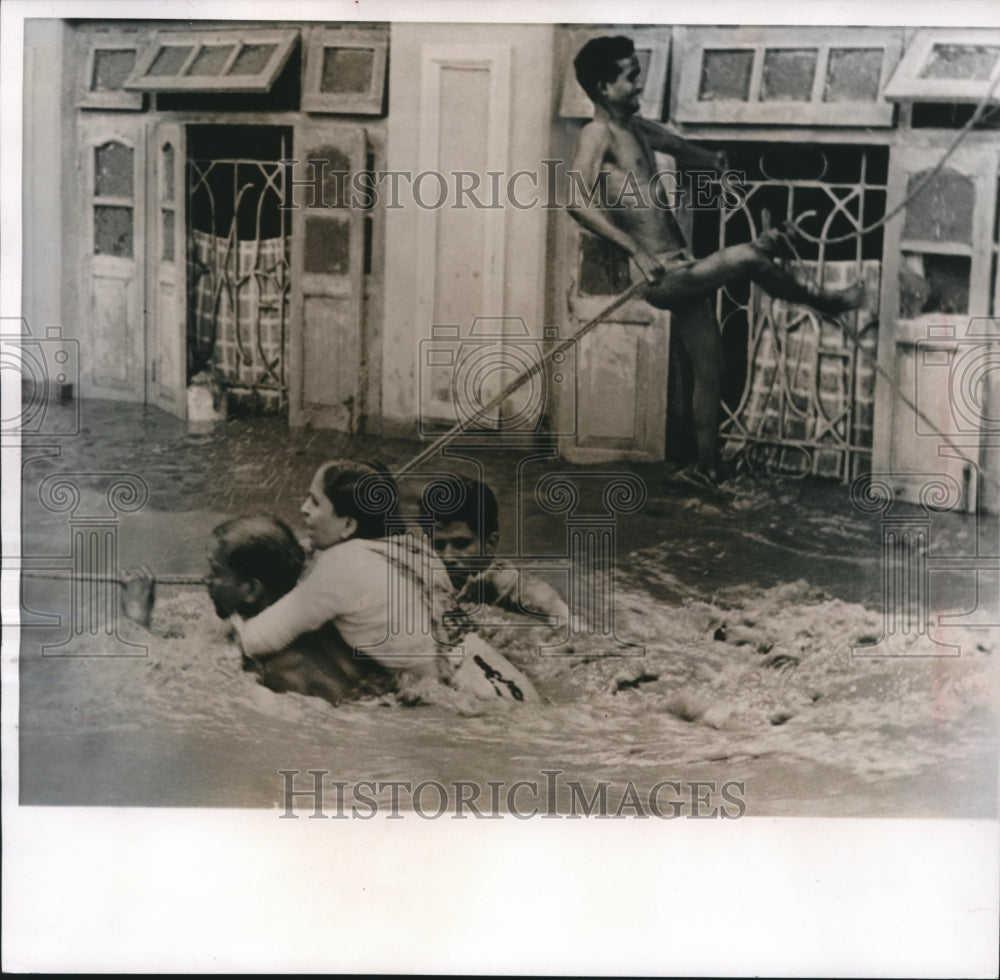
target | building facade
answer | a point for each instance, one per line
(362, 227)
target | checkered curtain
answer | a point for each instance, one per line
(239, 307)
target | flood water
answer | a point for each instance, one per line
(744, 607)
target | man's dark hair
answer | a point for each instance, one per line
(598, 62)
(459, 498)
(263, 548)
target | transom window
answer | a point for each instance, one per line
(345, 71)
(789, 76)
(948, 66)
(243, 61)
(107, 64)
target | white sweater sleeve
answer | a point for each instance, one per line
(318, 599)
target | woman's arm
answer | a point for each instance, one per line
(316, 600)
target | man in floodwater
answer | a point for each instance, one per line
(614, 153)
(466, 536)
(253, 562)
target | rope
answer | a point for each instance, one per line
(931, 174)
(425, 454)
(633, 290)
(461, 426)
(891, 381)
(65, 576)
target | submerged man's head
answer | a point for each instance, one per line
(252, 562)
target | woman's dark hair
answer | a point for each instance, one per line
(261, 547)
(364, 490)
(598, 60)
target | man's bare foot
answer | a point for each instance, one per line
(782, 242)
(833, 303)
(138, 594)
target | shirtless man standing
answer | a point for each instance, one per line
(617, 147)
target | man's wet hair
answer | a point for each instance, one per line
(459, 498)
(262, 548)
(597, 61)
(364, 490)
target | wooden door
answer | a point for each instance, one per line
(326, 354)
(929, 408)
(112, 239)
(612, 403)
(166, 302)
(474, 349)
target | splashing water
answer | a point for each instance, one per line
(758, 686)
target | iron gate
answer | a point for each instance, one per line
(239, 278)
(799, 391)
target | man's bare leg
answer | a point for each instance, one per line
(696, 325)
(754, 261)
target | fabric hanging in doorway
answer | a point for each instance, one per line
(239, 310)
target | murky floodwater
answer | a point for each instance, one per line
(746, 610)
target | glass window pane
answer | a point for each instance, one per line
(167, 246)
(113, 231)
(642, 56)
(347, 70)
(788, 74)
(167, 171)
(111, 68)
(942, 211)
(169, 60)
(725, 75)
(210, 60)
(852, 75)
(961, 61)
(113, 170)
(328, 246)
(252, 59)
(933, 284)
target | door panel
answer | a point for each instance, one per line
(326, 354)
(614, 406)
(465, 94)
(166, 310)
(937, 283)
(112, 171)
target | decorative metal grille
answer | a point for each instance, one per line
(801, 403)
(239, 278)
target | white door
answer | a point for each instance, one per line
(166, 306)
(618, 409)
(935, 340)
(326, 353)
(112, 237)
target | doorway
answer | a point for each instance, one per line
(239, 264)
(798, 389)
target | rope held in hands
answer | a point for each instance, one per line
(456, 430)
(634, 290)
(917, 190)
(960, 136)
